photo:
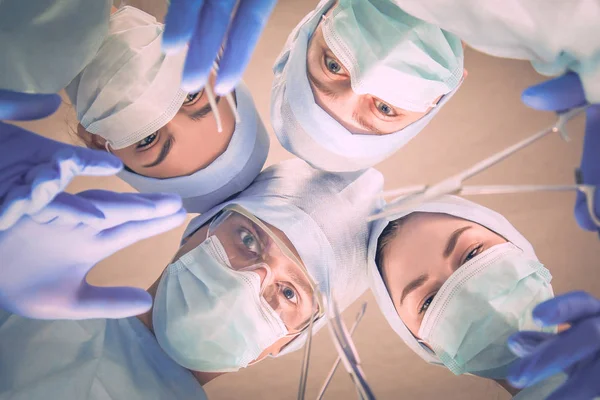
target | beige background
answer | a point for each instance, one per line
(485, 116)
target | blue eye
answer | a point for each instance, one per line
(333, 65)
(385, 109)
(147, 141)
(289, 294)
(249, 241)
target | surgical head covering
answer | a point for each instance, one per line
(387, 53)
(324, 217)
(130, 89)
(229, 174)
(46, 43)
(450, 205)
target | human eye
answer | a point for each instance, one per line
(288, 293)
(250, 242)
(384, 109)
(333, 65)
(147, 141)
(473, 253)
(426, 304)
(192, 98)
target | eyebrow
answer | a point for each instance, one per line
(321, 86)
(366, 125)
(203, 111)
(412, 286)
(164, 152)
(453, 239)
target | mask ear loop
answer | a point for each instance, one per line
(107, 147)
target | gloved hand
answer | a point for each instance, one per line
(564, 93)
(575, 351)
(33, 169)
(45, 257)
(204, 24)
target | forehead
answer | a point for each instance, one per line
(419, 241)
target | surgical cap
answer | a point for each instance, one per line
(229, 174)
(130, 89)
(46, 43)
(450, 205)
(309, 132)
(323, 215)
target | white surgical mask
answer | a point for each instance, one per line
(208, 317)
(391, 55)
(485, 301)
(130, 89)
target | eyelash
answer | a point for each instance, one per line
(377, 103)
(142, 145)
(340, 74)
(426, 304)
(284, 287)
(187, 102)
(473, 253)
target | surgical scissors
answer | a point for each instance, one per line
(413, 196)
(357, 320)
(346, 350)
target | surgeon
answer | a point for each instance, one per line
(40, 225)
(128, 101)
(357, 79)
(249, 281)
(455, 280)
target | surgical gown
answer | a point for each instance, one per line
(555, 35)
(91, 359)
(44, 44)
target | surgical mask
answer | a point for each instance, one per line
(130, 89)
(211, 318)
(391, 55)
(489, 298)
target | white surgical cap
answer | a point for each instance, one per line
(229, 174)
(130, 89)
(46, 43)
(451, 205)
(309, 132)
(323, 215)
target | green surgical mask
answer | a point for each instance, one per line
(485, 301)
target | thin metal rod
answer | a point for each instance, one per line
(496, 158)
(405, 191)
(306, 357)
(359, 316)
(213, 106)
(506, 189)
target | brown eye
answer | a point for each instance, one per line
(147, 141)
(192, 98)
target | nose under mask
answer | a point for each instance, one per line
(391, 55)
(485, 301)
(208, 317)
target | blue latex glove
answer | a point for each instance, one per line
(564, 93)
(203, 24)
(575, 351)
(46, 256)
(33, 169)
